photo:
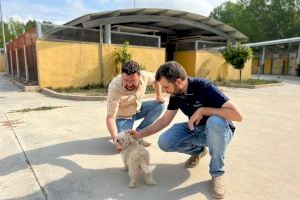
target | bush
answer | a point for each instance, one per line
(121, 56)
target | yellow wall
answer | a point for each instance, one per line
(66, 64)
(2, 63)
(188, 60)
(254, 66)
(293, 65)
(285, 66)
(196, 61)
(150, 58)
(267, 66)
(279, 65)
(70, 64)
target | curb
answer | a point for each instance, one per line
(65, 96)
(25, 88)
(71, 97)
(253, 86)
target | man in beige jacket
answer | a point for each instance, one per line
(124, 101)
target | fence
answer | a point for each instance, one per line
(67, 33)
(21, 54)
(197, 45)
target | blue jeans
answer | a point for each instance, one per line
(150, 111)
(216, 135)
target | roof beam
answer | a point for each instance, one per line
(161, 12)
(141, 11)
(112, 14)
(180, 14)
(204, 20)
(159, 24)
(164, 30)
(154, 18)
(79, 20)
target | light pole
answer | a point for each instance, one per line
(133, 3)
(3, 39)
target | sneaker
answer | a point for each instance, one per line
(217, 187)
(194, 159)
(144, 143)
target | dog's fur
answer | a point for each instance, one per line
(136, 158)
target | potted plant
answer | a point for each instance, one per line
(237, 56)
(121, 56)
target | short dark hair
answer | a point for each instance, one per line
(171, 71)
(130, 67)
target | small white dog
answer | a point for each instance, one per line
(136, 159)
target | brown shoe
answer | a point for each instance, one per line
(217, 187)
(144, 143)
(194, 159)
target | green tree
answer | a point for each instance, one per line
(261, 20)
(8, 35)
(30, 24)
(237, 56)
(14, 29)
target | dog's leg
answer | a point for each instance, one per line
(148, 171)
(133, 174)
(125, 164)
(149, 179)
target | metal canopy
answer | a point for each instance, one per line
(174, 23)
(274, 42)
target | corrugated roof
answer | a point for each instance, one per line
(172, 22)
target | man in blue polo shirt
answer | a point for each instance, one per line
(210, 114)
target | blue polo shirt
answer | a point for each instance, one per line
(200, 93)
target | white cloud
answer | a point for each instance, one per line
(202, 7)
(67, 10)
(25, 10)
(19, 18)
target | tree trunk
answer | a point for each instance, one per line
(240, 75)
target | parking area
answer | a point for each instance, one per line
(58, 149)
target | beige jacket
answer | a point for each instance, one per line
(122, 103)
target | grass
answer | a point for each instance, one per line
(89, 90)
(92, 90)
(248, 82)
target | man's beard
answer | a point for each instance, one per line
(132, 88)
(177, 91)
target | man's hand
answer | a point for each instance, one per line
(160, 99)
(118, 147)
(195, 118)
(136, 135)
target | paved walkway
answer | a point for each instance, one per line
(63, 153)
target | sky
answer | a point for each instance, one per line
(62, 11)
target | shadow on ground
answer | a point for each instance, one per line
(103, 183)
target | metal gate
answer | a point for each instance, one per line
(21, 53)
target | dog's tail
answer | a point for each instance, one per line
(147, 169)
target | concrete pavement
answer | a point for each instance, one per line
(64, 153)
